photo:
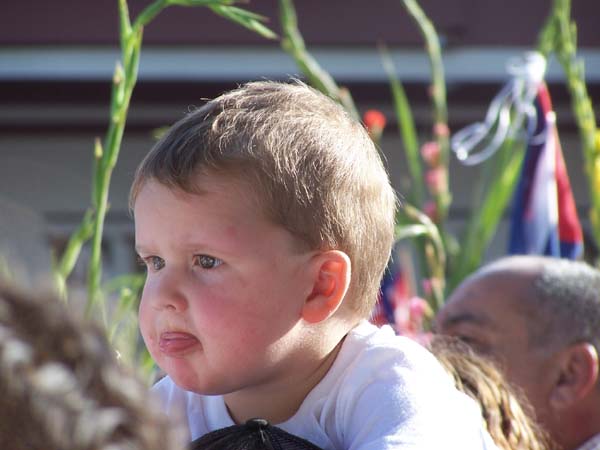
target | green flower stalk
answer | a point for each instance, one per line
(419, 226)
(408, 130)
(431, 258)
(106, 152)
(559, 35)
(293, 43)
(440, 193)
(61, 269)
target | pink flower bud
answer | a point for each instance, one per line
(436, 180)
(374, 121)
(430, 209)
(441, 129)
(427, 286)
(430, 152)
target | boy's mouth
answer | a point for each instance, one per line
(175, 343)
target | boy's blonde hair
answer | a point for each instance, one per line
(313, 168)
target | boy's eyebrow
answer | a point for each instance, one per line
(140, 248)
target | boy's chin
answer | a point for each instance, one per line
(190, 381)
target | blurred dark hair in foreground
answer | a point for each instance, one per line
(62, 387)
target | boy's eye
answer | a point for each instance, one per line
(207, 262)
(154, 263)
(157, 262)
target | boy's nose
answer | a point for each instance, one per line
(175, 302)
(170, 294)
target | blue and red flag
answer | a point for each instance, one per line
(394, 288)
(544, 215)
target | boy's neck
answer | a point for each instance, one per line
(279, 403)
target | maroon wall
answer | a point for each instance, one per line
(323, 22)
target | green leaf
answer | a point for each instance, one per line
(148, 14)
(410, 231)
(63, 268)
(247, 19)
(432, 248)
(487, 212)
(407, 128)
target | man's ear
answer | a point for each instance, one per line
(331, 279)
(577, 376)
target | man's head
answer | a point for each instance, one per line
(312, 168)
(539, 319)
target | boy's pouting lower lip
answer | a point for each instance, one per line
(173, 343)
(266, 219)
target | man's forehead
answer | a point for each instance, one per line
(482, 301)
(452, 317)
(456, 314)
(500, 286)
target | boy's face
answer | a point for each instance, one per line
(221, 307)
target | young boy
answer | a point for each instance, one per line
(265, 220)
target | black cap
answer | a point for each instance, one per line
(255, 434)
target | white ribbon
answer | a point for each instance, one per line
(514, 99)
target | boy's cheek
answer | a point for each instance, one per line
(150, 298)
(145, 317)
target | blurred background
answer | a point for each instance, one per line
(57, 61)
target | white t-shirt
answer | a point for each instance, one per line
(591, 444)
(382, 392)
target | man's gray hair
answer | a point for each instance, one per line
(565, 305)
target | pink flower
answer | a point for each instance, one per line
(418, 307)
(409, 316)
(427, 286)
(430, 151)
(430, 209)
(436, 180)
(441, 129)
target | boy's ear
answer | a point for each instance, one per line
(331, 279)
(578, 374)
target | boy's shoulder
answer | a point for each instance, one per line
(374, 361)
(394, 385)
(369, 344)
